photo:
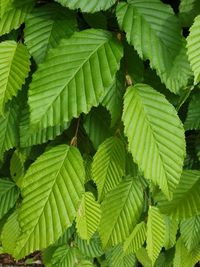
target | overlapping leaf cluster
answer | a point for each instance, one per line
(99, 132)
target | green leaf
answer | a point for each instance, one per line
(97, 124)
(171, 227)
(9, 128)
(64, 256)
(155, 233)
(136, 239)
(143, 257)
(88, 216)
(4, 4)
(121, 210)
(17, 165)
(60, 90)
(185, 202)
(117, 258)
(9, 194)
(113, 98)
(15, 13)
(184, 258)
(11, 233)
(193, 46)
(190, 232)
(45, 27)
(35, 134)
(156, 136)
(108, 165)
(188, 10)
(192, 121)
(162, 41)
(87, 5)
(14, 68)
(51, 191)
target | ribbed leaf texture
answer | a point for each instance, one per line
(51, 191)
(121, 210)
(97, 124)
(164, 49)
(108, 165)
(87, 5)
(3, 6)
(8, 196)
(156, 136)
(188, 10)
(35, 134)
(88, 216)
(184, 258)
(64, 256)
(190, 232)
(14, 68)
(113, 98)
(186, 199)
(136, 239)
(192, 121)
(171, 227)
(60, 90)
(9, 128)
(45, 27)
(155, 233)
(193, 46)
(10, 233)
(91, 248)
(15, 13)
(117, 258)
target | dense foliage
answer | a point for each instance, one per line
(99, 132)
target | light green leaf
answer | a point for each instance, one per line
(171, 227)
(155, 233)
(60, 90)
(9, 194)
(156, 136)
(15, 13)
(55, 183)
(108, 165)
(4, 4)
(87, 5)
(143, 257)
(186, 201)
(88, 216)
(44, 28)
(14, 68)
(136, 239)
(65, 256)
(184, 258)
(192, 121)
(121, 210)
(9, 128)
(190, 232)
(162, 45)
(193, 48)
(10, 233)
(97, 125)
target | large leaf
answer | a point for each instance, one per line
(186, 199)
(193, 46)
(8, 196)
(44, 28)
(121, 210)
(9, 128)
(192, 121)
(108, 165)
(190, 232)
(88, 216)
(136, 239)
(14, 14)
(171, 227)
(156, 136)
(14, 68)
(10, 233)
(4, 4)
(87, 5)
(155, 233)
(73, 77)
(162, 41)
(51, 191)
